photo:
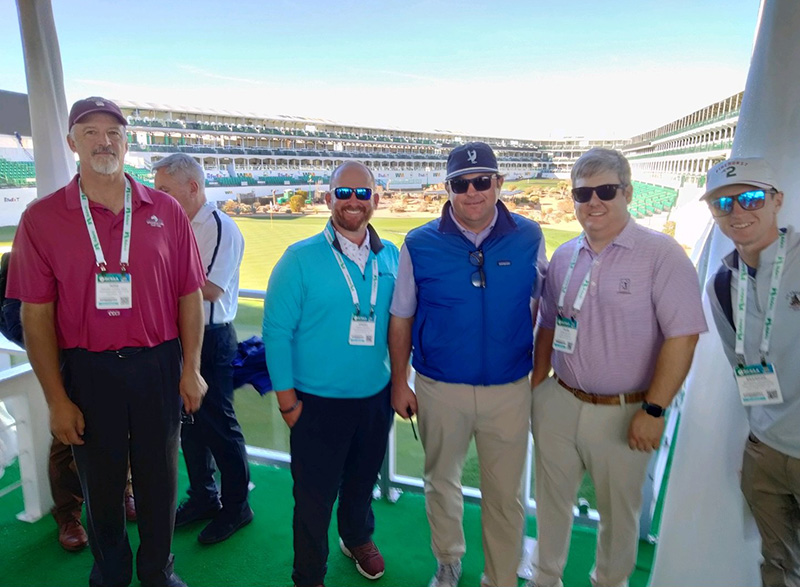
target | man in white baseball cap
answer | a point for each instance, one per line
(753, 171)
(755, 300)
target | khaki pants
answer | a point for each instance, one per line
(570, 437)
(499, 418)
(771, 486)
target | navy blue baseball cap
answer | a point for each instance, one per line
(471, 158)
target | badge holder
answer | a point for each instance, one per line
(758, 384)
(566, 334)
(362, 330)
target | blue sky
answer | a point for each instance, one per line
(511, 68)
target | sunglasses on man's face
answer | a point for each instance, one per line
(749, 200)
(480, 183)
(345, 193)
(605, 192)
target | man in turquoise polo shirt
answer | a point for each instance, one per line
(326, 320)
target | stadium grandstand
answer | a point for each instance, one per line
(248, 157)
(252, 156)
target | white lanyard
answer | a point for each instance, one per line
(578, 303)
(373, 298)
(124, 254)
(769, 318)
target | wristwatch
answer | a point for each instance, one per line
(653, 409)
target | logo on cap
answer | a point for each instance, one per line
(472, 156)
(99, 103)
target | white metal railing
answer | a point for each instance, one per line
(21, 388)
(392, 484)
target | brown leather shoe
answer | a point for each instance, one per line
(72, 536)
(130, 508)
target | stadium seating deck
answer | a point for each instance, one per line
(650, 199)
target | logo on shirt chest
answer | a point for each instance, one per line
(624, 286)
(155, 221)
(794, 300)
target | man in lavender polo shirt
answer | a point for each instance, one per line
(619, 319)
(109, 277)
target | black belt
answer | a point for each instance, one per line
(127, 351)
(215, 326)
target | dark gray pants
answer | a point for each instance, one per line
(131, 405)
(215, 438)
(337, 448)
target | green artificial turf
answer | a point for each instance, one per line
(261, 553)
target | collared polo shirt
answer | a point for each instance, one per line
(53, 261)
(643, 290)
(221, 247)
(358, 254)
(308, 310)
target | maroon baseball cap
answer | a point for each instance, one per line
(94, 104)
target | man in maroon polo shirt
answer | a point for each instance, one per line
(109, 277)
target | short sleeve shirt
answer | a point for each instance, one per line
(53, 261)
(643, 290)
(221, 247)
(404, 301)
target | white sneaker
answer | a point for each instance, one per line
(447, 575)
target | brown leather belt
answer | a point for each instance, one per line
(633, 397)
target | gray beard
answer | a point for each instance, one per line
(104, 167)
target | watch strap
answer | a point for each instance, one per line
(653, 409)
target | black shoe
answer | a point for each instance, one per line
(189, 511)
(173, 581)
(224, 526)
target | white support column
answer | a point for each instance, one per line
(708, 537)
(55, 164)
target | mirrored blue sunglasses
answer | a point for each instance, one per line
(345, 193)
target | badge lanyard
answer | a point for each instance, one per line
(579, 299)
(565, 336)
(126, 232)
(741, 309)
(373, 298)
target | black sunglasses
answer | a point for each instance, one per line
(480, 183)
(749, 200)
(345, 193)
(478, 278)
(604, 192)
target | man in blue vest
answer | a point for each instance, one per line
(466, 287)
